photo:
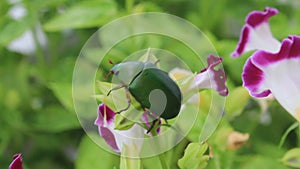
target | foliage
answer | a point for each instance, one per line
(37, 116)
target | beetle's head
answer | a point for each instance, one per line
(115, 69)
(126, 71)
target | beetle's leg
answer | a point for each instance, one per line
(128, 99)
(153, 115)
(116, 88)
(152, 125)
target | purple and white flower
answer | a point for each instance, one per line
(209, 77)
(132, 137)
(17, 162)
(277, 73)
(273, 68)
(256, 33)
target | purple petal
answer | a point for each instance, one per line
(145, 117)
(104, 122)
(256, 33)
(267, 72)
(17, 162)
(289, 49)
(253, 78)
(104, 112)
(255, 18)
(117, 138)
(109, 138)
(212, 78)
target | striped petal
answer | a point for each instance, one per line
(117, 138)
(213, 78)
(208, 78)
(276, 73)
(256, 33)
(17, 162)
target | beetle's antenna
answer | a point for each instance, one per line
(110, 62)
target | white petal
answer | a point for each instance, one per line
(283, 79)
(132, 138)
(262, 38)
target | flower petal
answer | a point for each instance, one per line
(212, 78)
(105, 125)
(116, 138)
(145, 118)
(105, 115)
(256, 34)
(132, 138)
(109, 138)
(17, 162)
(278, 73)
(253, 79)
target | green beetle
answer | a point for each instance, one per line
(156, 92)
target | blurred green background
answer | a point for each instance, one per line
(40, 41)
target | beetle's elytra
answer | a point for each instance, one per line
(140, 79)
(153, 78)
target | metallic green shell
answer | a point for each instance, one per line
(155, 86)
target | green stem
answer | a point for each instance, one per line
(161, 156)
(39, 52)
(217, 161)
(287, 132)
(129, 5)
(163, 161)
(298, 134)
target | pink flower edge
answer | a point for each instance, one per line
(131, 138)
(253, 73)
(17, 162)
(255, 21)
(210, 77)
(104, 119)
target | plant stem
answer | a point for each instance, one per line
(129, 5)
(39, 52)
(160, 156)
(163, 161)
(298, 134)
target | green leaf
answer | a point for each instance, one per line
(91, 156)
(236, 102)
(194, 157)
(122, 123)
(63, 92)
(55, 119)
(260, 161)
(13, 29)
(287, 132)
(151, 162)
(84, 14)
(292, 158)
(116, 100)
(104, 87)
